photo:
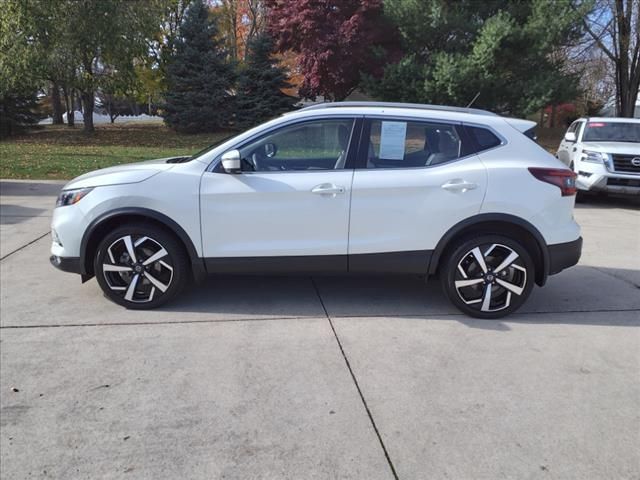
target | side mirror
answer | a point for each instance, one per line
(570, 136)
(231, 161)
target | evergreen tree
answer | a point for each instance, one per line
(199, 79)
(260, 86)
(16, 112)
(500, 55)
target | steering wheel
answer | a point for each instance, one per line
(255, 159)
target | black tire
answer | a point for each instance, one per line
(115, 269)
(494, 251)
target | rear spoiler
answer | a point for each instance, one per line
(526, 127)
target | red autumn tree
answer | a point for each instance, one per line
(335, 41)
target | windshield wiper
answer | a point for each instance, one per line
(179, 159)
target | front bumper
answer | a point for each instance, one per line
(564, 255)
(612, 184)
(597, 178)
(66, 264)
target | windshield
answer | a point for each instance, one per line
(612, 132)
(212, 146)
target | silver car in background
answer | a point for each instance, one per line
(604, 153)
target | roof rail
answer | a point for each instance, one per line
(417, 106)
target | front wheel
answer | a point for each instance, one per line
(489, 276)
(141, 266)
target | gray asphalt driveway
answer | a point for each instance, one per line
(327, 377)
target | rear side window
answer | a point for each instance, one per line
(402, 144)
(484, 138)
(531, 133)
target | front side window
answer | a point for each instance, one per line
(612, 132)
(314, 145)
(402, 144)
(573, 127)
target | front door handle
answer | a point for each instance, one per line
(327, 189)
(459, 185)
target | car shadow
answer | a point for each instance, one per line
(594, 200)
(14, 214)
(580, 290)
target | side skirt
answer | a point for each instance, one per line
(414, 262)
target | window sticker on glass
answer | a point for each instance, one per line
(392, 138)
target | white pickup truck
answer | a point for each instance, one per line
(604, 153)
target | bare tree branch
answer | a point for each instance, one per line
(598, 40)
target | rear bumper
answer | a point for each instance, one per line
(564, 255)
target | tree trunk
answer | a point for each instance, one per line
(77, 101)
(56, 104)
(552, 117)
(627, 91)
(621, 51)
(87, 110)
(68, 102)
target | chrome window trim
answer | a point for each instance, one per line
(503, 141)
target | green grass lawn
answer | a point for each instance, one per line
(60, 152)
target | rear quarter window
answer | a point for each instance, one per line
(482, 139)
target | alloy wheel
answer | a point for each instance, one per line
(137, 268)
(488, 277)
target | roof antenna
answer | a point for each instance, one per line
(474, 99)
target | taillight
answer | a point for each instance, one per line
(562, 178)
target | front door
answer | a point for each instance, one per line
(288, 210)
(567, 148)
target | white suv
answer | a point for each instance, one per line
(333, 188)
(604, 153)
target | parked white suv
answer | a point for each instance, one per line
(604, 153)
(333, 188)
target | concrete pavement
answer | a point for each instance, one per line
(331, 377)
(25, 212)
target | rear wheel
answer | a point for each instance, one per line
(141, 266)
(489, 276)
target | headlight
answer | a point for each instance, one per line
(594, 157)
(71, 197)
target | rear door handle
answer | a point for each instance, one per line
(459, 185)
(327, 189)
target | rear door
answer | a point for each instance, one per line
(415, 179)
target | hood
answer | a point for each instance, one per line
(627, 148)
(121, 174)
